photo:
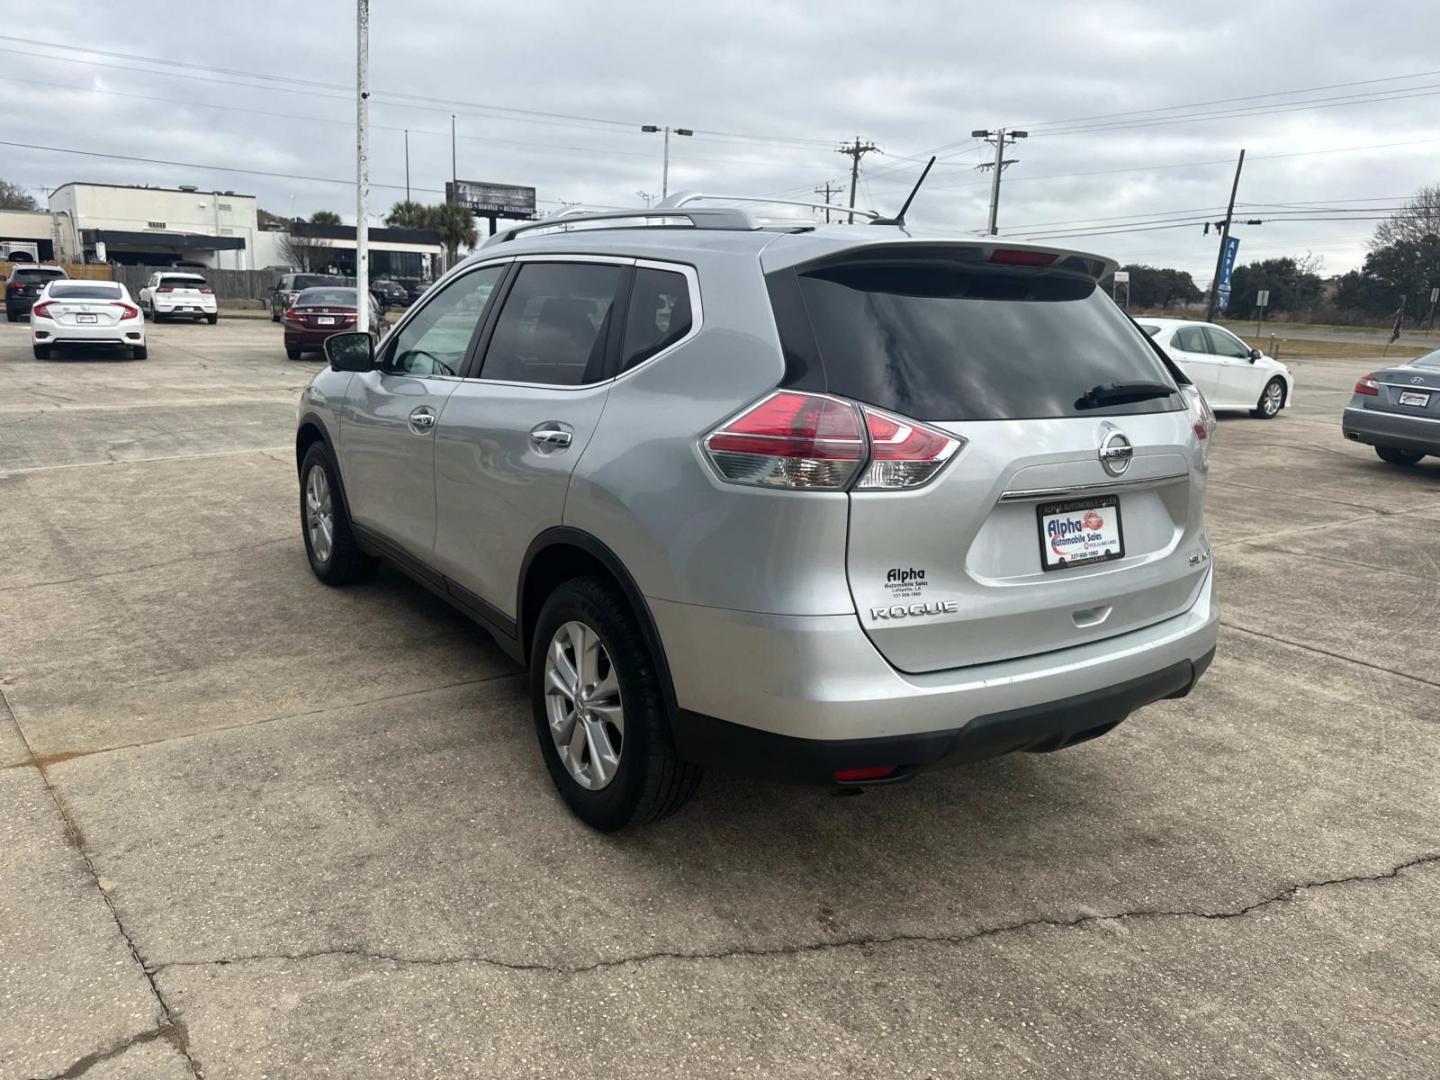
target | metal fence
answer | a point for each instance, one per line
(228, 284)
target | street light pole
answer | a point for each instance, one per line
(665, 168)
(362, 165)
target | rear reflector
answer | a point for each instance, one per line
(790, 440)
(869, 772)
(903, 453)
(1021, 257)
(1368, 386)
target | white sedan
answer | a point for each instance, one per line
(1230, 373)
(88, 313)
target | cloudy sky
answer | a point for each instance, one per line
(1136, 111)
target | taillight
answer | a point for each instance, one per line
(127, 311)
(801, 440)
(1368, 386)
(1202, 417)
(1022, 257)
(790, 440)
(42, 309)
(903, 453)
(165, 288)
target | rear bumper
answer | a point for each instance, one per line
(1403, 432)
(313, 339)
(810, 691)
(184, 307)
(130, 332)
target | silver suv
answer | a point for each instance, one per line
(832, 504)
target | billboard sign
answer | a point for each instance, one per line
(492, 200)
(1227, 267)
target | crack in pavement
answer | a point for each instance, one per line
(193, 557)
(169, 1027)
(169, 1032)
(1326, 652)
(1286, 895)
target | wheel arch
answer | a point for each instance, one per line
(561, 553)
(311, 430)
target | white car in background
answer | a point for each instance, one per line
(170, 294)
(1228, 372)
(86, 313)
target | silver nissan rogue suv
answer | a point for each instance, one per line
(833, 504)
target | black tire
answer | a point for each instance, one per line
(274, 315)
(138, 352)
(346, 563)
(651, 782)
(1393, 455)
(212, 319)
(10, 316)
(156, 317)
(42, 352)
(1264, 405)
(292, 353)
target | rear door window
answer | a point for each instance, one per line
(938, 342)
(1191, 339)
(659, 314)
(555, 324)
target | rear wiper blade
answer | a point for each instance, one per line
(1116, 393)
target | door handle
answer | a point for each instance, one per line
(550, 437)
(422, 420)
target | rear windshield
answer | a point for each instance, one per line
(183, 282)
(326, 297)
(937, 342)
(309, 281)
(38, 273)
(1428, 360)
(85, 292)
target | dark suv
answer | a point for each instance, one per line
(24, 286)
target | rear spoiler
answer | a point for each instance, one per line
(970, 253)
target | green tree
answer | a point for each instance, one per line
(1156, 286)
(456, 226)
(1408, 268)
(324, 217)
(1293, 285)
(14, 197)
(410, 215)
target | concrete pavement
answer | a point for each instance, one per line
(257, 827)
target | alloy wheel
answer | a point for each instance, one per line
(582, 705)
(319, 513)
(1274, 396)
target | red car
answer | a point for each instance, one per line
(317, 313)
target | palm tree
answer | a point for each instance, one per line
(456, 226)
(324, 217)
(409, 215)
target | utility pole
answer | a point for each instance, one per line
(407, 165)
(827, 191)
(999, 138)
(362, 165)
(1224, 243)
(454, 173)
(855, 153)
(652, 129)
(646, 196)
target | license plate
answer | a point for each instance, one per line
(84, 318)
(324, 320)
(1411, 397)
(1079, 532)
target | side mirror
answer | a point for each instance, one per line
(1255, 354)
(350, 352)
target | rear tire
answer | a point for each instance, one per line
(156, 317)
(138, 352)
(1392, 455)
(335, 556)
(293, 354)
(648, 781)
(1272, 400)
(10, 316)
(274, 315)
(42, 352)
(212, 319)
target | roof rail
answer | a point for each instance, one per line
(728, 217)
(680, 198)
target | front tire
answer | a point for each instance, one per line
(600, 715)
(335, 556)
(1272, 400)
(1392, 455)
